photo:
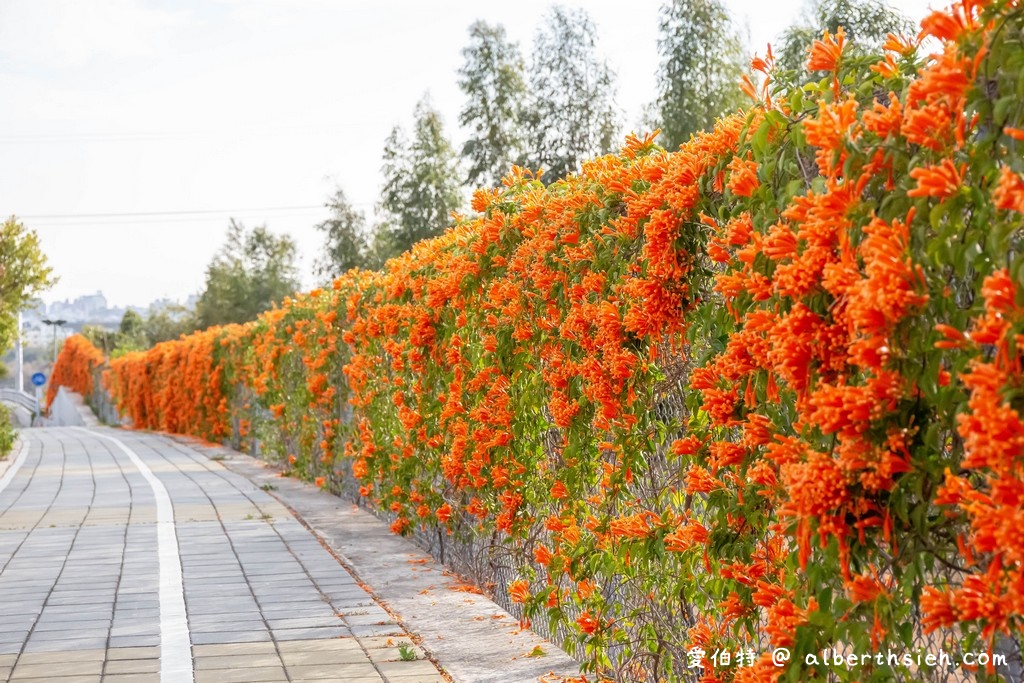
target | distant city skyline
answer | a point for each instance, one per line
(187, 301)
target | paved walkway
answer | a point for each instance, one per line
(125, 557)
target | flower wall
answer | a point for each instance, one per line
(76, 367)
(763, 391)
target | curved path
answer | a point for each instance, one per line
(128, 557)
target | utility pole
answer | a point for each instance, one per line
(55, 324)
(19, 383)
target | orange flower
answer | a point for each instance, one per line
(747, 88)
(633, 526)
(1009, 192)
(763, 65)
(940, 181)
(444, 513)
(519, 591)
(954, 338)
(865, 587)
(586, 588)
(686, 446)
(783, 619)
(946, 25)
(938, 608)
(587, 623)
(743, 180)
(686, 536)
(824, 54)
(899, 44)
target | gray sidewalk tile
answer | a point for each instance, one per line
(57, 667)
(305, 622)
(64, 624)
(134, 641)
(225, 649)
(335, 671)
(247, 675)
(237, 661)
(230, 637)
(131, 666)
(282, 634)
(319, 657)
(70, 642)
(116, 653)
(96, 655)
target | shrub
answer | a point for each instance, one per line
(7, 433)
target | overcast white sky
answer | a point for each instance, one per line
(244, 108)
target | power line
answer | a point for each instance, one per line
(141, 136)
(189, 212)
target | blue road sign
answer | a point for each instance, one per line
(39, 379)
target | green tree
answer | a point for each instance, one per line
(865, 22)
(23, 274)
(344, 239)
(131, 335)
(421, 184)
(103, 339)
(701, 66)
(169, 323)
(381, 247)
(492, 78)
(572, 114)
(253, 270)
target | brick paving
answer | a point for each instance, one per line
(80, 574)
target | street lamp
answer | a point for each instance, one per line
(55, 324)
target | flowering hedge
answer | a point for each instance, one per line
(76, 365)
(762, 391)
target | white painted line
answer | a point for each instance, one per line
(175, 642)
(12, 469)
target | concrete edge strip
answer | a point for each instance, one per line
(175, 641)
(14, 466)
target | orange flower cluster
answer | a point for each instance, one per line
(176, 386)
(76, 367)
(993, 434)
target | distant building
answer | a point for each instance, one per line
(90, 309)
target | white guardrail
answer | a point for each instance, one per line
(19, 398)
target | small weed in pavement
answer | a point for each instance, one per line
(406, 652)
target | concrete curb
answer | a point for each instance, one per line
(469, 636)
